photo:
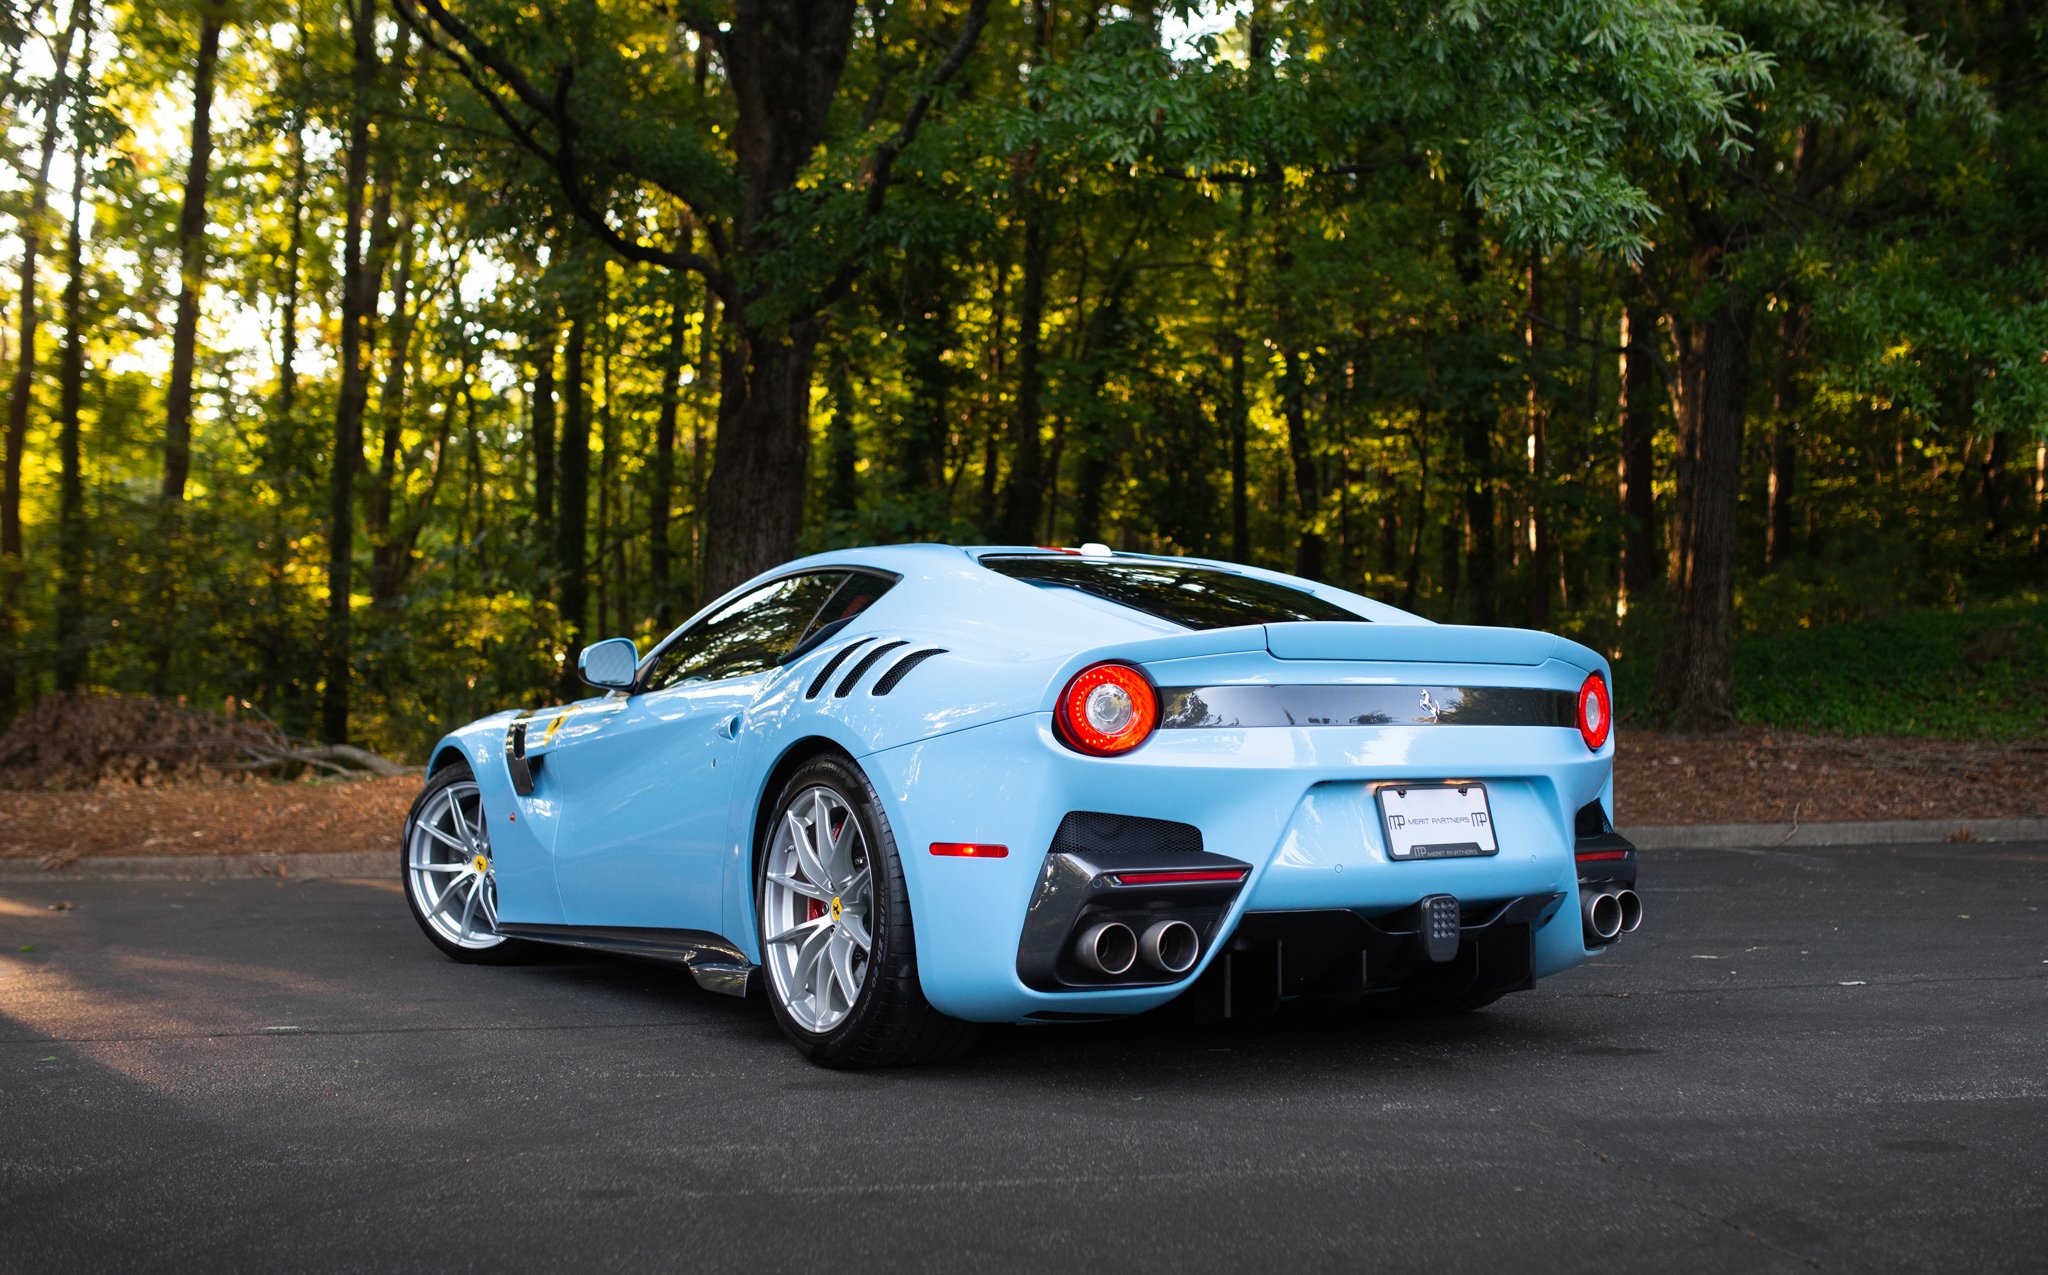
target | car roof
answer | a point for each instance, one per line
(933, 563)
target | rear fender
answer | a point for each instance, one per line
(960, 686)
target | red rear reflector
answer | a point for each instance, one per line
(1179, 878)
(1592, 856)
(969, 850)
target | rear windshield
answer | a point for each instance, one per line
(1192, 597)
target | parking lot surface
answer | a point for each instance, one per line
(1812, 1060)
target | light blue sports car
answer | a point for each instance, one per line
(908, 789)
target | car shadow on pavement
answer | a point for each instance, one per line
(1222, 1053)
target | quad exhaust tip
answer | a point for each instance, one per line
(1108, 948)
(1170, 946)
(1603, 916)
(1631, 910)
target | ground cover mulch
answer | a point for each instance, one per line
(1755, 776)
(1773, 776)
(198, 818)
(104, 774)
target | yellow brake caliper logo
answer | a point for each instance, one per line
(835, 907)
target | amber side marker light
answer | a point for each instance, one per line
(969, 850)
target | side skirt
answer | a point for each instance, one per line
(713, 961)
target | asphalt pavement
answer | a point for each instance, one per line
(1825, 1059)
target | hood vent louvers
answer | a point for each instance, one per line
(903, 666)
(832, 666)
(867, 662)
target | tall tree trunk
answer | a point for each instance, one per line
(765, 390)
(544, 429)
(1097, 461)
(191, 271)
(2040, 502)
(23, 387)
(281, 439)
(353, 389)
(1695, 674)
(1787, 399)
(661, 499)
(386, 479)
(842, 455)
(1474, 427)
(609, 581)
(1536, 416)
(1993, 477)
(288, 320)
(704, 406)
(1240, 406)
(72, 651)
(1023, 497)
(785, 72)
(1412, 582)
(1638, 422)
(1310, 550)
(986, 510)
(928, 337)
(572, 521)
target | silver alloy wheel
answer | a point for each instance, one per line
(448, 868)
(816, 906)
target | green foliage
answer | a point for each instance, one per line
(1975, 674)
(1321, 219)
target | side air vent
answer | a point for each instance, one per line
(903, 666)
(868, 661)
(832, 666)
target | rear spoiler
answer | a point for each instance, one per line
(1422, 644)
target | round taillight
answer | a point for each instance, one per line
(1596, 711)
(1106, 709)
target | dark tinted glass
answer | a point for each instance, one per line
(855, 595)
(1193, 597)
(748, 635)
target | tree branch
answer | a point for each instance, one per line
(476, 55)
(884, 163)
(882, 166)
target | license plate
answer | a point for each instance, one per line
(1436, 821)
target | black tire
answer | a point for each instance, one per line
(502, 951)
(890, 1023)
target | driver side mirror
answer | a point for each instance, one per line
(609, 665)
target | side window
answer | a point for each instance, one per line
(747, 635)
(856, 595)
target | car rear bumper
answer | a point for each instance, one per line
(1293, 804)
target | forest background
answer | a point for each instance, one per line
(364, 358)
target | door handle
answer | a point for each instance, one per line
(730, 727)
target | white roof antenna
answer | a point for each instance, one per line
(1096, 549)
